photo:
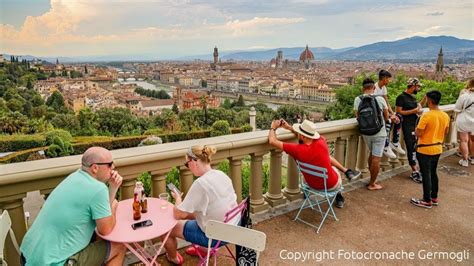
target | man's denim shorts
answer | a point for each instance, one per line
(192, 233)
(376, 144)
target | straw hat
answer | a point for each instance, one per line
(307, 129)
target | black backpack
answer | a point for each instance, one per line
(370, 116)
(245, 256)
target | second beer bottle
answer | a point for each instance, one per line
(136, 207)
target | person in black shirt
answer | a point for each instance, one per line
(408, 107)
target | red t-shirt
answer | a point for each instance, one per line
(317, 154)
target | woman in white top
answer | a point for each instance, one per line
(210, 197)
(465, 123)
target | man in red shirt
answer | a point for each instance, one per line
(312, 149)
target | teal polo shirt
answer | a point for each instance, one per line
(66, 221)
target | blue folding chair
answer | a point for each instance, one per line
(314, 197)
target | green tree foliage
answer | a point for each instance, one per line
(59, 148)
(66, 121)
(87, 122)
(290, 113)
(175, 108)
(75, 74)
(220, 128)
(168, 120)
(3, 107)
(34, 126)
(191, 119)
(29, 85)
(117, 122)
(63, 135)
(240, 102)
(343, 107)
(16, 105)
(13, 122)
(227, 104)
(56, 101)
(36, 100)
(161, 94)
(203, 101)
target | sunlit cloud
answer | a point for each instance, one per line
(435, 14)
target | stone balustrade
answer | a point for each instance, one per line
(44, 175)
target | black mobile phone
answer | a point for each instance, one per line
(146, 223)
(173, 188)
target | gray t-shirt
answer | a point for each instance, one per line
(382, 105)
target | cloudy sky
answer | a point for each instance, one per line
(173, 28)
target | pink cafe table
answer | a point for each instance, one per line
(162, 219)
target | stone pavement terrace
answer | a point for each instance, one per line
(371, 221)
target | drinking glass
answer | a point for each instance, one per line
(164, 197)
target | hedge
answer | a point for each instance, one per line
(20, 156)
(35, 143)
(18, 142)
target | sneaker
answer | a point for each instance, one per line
(472, 160)
(459, 154)
(464, 163)
(398, 148)
(387, 151)
(352, 174)
(416, 177)
(421, 203)
(434, 201)
(339, 201)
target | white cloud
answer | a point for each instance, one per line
(254, 26)
(90, 27)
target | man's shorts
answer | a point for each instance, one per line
(193, 233)
(375, 144)
(96, 253)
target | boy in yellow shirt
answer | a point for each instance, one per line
(430, 131)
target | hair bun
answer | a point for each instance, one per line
(209, 150)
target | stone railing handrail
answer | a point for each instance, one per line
(44, 175)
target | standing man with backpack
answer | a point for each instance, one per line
(408, 107)
(381, 90)
(371, 112)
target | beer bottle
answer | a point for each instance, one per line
(136, 207)
(143, 201)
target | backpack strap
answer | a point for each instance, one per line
(468, 106)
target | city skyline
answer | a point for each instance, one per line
(169, 29)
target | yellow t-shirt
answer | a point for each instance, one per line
(434, 123)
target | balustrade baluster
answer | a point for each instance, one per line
(292, 190)
(185, 179)
(351, 154)
(257, 204)
(17, 215)
(274, 195)
(362, 157)
(236, 175)
(158, 182)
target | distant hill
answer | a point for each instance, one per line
(414, 48)
(411, 48)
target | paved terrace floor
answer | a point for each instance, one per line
(382, 221)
